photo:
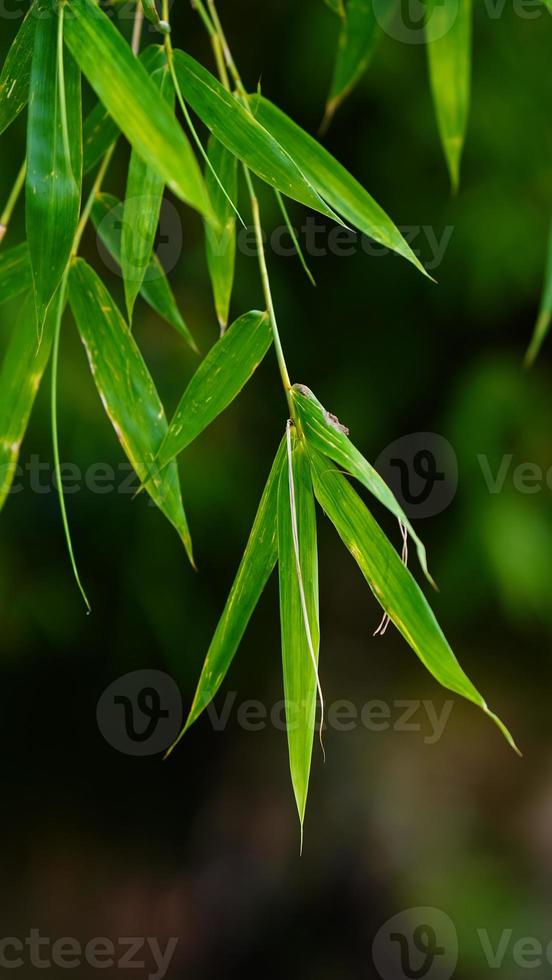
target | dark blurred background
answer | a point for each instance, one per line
(205, 847)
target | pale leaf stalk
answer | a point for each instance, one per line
(293, 236)
(221, 43)
(55, 437)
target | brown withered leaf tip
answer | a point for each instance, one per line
(333, 420)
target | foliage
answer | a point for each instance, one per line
(57, 46)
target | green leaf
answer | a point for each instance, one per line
(326, 434)
(221, 244)
(15, 272)
(544, 318)
(22, 370)
(448, 35)
(331, 180)
(16, 72)
(100, 130)
(242, 135)
(256, 567)
(218, 380)
(299, 614)
(123, 85)
(360, 34)
(143, 199)
(54, 161)
(126, 389)
(107, 217)
(392, 584)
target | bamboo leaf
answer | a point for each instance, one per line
(391, 582)
(143, 199)
(221, 244)
(54, 161)
(544, 318)
(15, 272)
(242, 135)
(256, 567)
(218, 380)
(16, 72)
(22, 370)
(99, 129)
(448, 35)
(331, 180)
(121, 82)
(126, 389)
(107, 217)
(327, 436)
(360, 35)
(299, 614)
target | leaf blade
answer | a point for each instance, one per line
(256, 566)
(126, 389)
(54, 168)
(332, 181)
(544, 319)
(16, 72)
(143, 199)
(242, 135)
(448, 36)
(107, 216)
(220, 244)
(391, 582)
(299, 613)
(324, 432)
(20, 376)
(218, 380)
(360, 35)
(123, 85)
(15, 272)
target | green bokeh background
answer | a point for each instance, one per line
(205, 847)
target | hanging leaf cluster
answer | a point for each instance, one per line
(147, 99)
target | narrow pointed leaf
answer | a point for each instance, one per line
(20, 376)
(16, 72)
(325, 434)
(544, 318)
(299, 647)
(221, 242)
(331, 180)
(360, 35)
(121, 82)
(107, 217)
(126, 389)
(99, 129)
(54, 169)
(15, 272)
(448, 33)
(255, 569)
(143, 199)
(391, 582)
(243, 135)
(218, 380)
